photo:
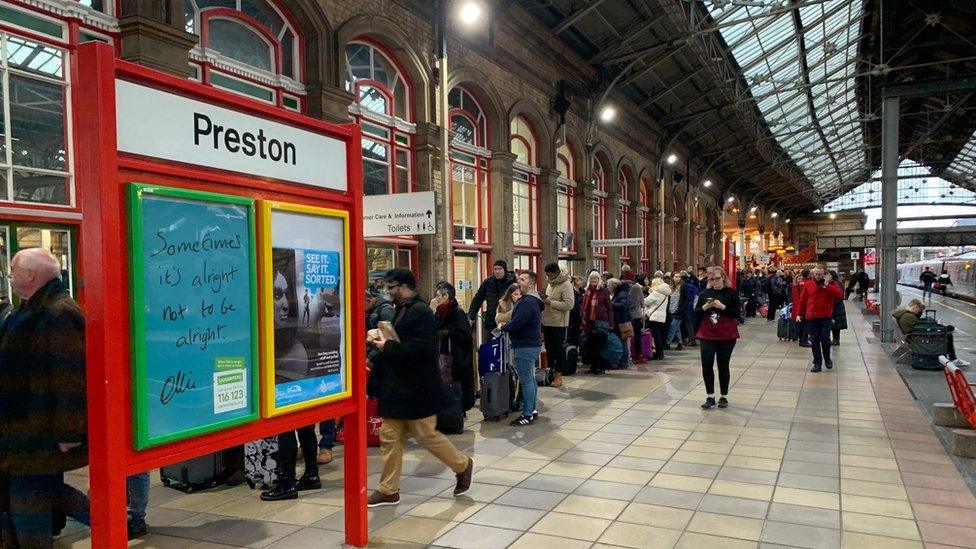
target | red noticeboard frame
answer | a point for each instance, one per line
(103, 174)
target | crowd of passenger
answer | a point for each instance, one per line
(604, 321)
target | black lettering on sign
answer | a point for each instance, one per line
(242, 142)
(176, 385)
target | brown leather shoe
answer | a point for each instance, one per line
(379, 499)
(324, 457)
(464, 479)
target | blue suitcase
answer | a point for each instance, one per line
(493, 356)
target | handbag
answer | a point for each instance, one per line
(600, 327)
(445, 364)
(626, 330)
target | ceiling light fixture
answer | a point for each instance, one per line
(608, 114)
(672, 159)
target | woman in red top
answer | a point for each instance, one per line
(596, 313)
(718, 320)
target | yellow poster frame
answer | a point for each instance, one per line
(266, 300)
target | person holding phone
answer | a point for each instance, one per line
(718, 329)
(816, 309)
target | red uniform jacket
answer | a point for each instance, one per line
(817, 301)
(795, 293)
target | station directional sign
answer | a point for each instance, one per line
(399, 214)
(616, 242)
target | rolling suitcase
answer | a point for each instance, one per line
(193, 474)
(491, 356)
(570, 360)
(450, 420)
(496, 390)
(647, 343)
(260, 463)
(783, 329)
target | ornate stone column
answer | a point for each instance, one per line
(500, 193)
(549, 241)
(427, 171)
(153, 34)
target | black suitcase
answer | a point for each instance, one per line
(570, 360)
(783, 329)
(496, 397)
(194, 474)
(450, 420)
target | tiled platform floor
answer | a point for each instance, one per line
(840, 458)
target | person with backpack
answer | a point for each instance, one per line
(777, 294)
(525, 334)
(406, 381)
(620, 301)
(559, 300)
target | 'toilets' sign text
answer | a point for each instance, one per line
(616, 242)
(160, 124)
(399, 214)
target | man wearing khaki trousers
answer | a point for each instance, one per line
(405, 379)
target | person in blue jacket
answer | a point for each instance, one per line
(691, 285)
(525, 334)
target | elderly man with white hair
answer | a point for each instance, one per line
(42, 398)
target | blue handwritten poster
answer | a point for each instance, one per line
(193, 315)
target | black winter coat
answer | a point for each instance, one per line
(490, 291)
(454, 338)
(621, 305)
(840, 316)
(43, 401)
(407, 381)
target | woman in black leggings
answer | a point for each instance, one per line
(718, 320)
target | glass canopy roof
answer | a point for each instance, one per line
(963, 166)
(916, 185)
(799, 60)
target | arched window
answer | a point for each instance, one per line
(623, 211)
(249, 47)
(643, 216)
(525, 188)
(381, 109)
(599, 179)
(469, 169)
(566, 198)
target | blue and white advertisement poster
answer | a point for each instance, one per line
(308, 317)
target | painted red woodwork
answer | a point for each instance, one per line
(103, 174)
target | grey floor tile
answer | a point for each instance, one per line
(533, 499)
(589, 458)
(626, 462)
(812, 457)
(600, 447)
(505, 516)
(748, 475)
(476, 536)
(635, 430)
(670, 498)
(310, 537)
(811, 537)
(229, 531)
(616, 438)
(691, 469)
(809, 482)
(425, 486)
(809, 516)
(608, 490)
(739, 507)
(551, 483)
(807, 468)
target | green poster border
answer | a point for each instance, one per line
(137, 300)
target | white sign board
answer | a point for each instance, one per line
(855, 255)
(617, 242)
(160, 124)
(399, 214)
(763, 258)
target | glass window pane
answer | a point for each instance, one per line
(30, 56)
(379, 260)
(288, 54)
(403, 172)
(240, 43)
(37, 123)
(373, 99)
(42, 188)
(520, 151)
(403, 258)
(374, 151)
(463, 129)
(374, 178)
(357, 61)
(260, 10)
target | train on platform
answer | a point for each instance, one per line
(961, 269)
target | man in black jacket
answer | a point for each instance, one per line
(927, 278)
(490, 291)
(405, 379)
(42, 398)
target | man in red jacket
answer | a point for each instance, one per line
(816, 308)
(796, 311)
